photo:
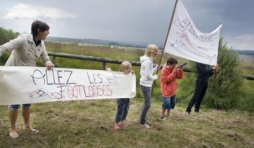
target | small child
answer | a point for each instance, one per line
(122, 103)
(168, 77)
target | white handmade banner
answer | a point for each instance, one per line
(19, 85)
(186, 41)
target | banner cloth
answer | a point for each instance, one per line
(186, 41)
(20, 85)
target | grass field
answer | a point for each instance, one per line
(90, 124)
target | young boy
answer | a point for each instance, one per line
(168, 77)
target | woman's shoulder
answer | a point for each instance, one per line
(23, 37)
(19, 40)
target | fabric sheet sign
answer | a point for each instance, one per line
(186, 41)
(20, 85)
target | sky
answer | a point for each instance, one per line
(138, 22)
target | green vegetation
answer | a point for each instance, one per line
(224, 87)
(90, 123)
(6, 36)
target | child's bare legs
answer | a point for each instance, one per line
(13, 114)
(163, 113)
(168, 113)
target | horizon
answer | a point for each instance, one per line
(127, 43)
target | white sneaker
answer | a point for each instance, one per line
(145, 125)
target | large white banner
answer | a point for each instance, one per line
(186, 41)
(19, 85)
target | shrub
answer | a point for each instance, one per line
(224, 87)
(6, 36)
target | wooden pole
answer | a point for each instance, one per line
(170, 24)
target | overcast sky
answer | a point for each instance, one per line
(130, 21)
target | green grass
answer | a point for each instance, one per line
(90, 124)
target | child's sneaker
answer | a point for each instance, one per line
(117, 127)
(145, 125)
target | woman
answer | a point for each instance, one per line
(26, 49)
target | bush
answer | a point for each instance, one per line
(6, 36)
(224, 87)
(4, 58)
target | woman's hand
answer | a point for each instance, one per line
(49, 65)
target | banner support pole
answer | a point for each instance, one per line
(170, 24)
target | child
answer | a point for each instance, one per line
(146, 80)
(122, 103)
(168, 77)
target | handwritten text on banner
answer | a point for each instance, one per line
(186, 41)
(19, 85)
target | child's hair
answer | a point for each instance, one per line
(171, 61)
(125, 65)
(149, 50)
